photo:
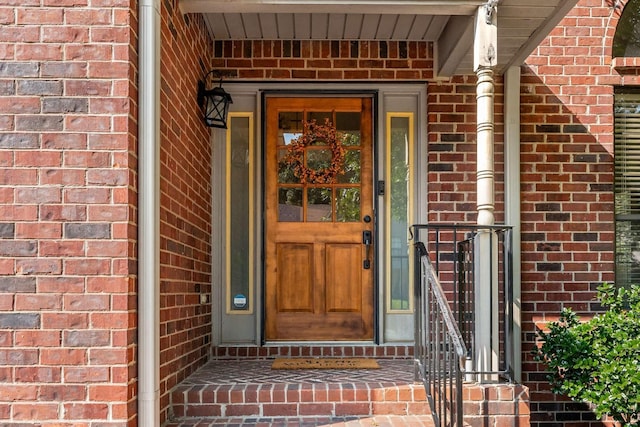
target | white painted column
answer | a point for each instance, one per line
(486, 295)
(485, 174)
(149, 216)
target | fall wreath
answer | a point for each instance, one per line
(312, 133)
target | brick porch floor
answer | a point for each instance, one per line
(241, 389)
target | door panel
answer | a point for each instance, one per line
(343, 291)
(318, 286)
(295, 277)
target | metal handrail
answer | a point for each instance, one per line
(440, 346)
(447, 314)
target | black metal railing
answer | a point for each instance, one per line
(439, 347)
(446, 257)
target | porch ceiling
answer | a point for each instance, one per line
(522, 24)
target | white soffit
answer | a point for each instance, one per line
(522, 24)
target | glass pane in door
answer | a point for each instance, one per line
(306, 192)
(319, 205)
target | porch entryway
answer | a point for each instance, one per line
(317, 192)
(335, 277)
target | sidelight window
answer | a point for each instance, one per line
(239, 213)
(399, 201)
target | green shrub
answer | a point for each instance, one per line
(598, 361)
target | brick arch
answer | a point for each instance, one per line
(616, 6)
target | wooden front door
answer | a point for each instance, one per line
(319, 215)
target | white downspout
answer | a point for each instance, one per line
(149, 215)
(512, 201)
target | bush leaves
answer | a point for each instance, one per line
(598, 361)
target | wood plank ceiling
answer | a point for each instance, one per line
(522, 24)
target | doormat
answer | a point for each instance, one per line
(325, 363)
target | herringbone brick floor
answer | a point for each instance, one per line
(233, 372)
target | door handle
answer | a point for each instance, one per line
(366, 240)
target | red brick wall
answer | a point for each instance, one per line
(68, 87)
(324, 60)
(567, 182)
(185, 211)
(67, 324)
(451, 126)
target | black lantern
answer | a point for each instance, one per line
(215, 102)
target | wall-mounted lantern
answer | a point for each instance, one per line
(215, 101)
